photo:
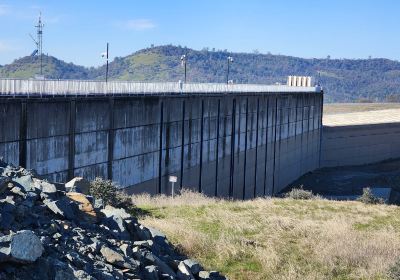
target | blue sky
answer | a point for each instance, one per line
(77, 30)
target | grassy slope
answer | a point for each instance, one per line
(280, 238)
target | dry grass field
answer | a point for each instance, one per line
(342, 108)
(279, 238)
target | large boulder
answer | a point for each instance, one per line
(64, 207)
(23, 246)
(115, 221)
(78, 184)
(86, 212)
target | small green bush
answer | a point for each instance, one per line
(108, 192)
(368, 198)
(300, 193)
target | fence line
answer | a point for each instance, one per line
(82, 87)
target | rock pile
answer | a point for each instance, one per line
(47, 232)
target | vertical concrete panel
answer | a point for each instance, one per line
(91, 148)
(209, 145)
(10, 112)
(239, 148)
(47, 133)
(225, 142)
(47, 118)
(261, 143)
(172, 142)
(48, 155)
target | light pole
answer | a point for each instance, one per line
(107, 66)
(105, 54)
(183, 63)
(230, 60)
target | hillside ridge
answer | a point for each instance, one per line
(343, 79)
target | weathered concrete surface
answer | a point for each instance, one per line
(232, 145)
(360, 138)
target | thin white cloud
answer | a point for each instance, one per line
(138, 24)
(6, 47)
(4, 10)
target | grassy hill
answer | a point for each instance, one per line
(53, 68)
(280, 238)
(343, 79)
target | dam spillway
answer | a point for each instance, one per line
(239, 141)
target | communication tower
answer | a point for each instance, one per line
(39, 42)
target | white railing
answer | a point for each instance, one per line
(81, 87)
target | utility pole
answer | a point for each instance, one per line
(107, 64)
(183, 63)
(40, 41)
(230, 60)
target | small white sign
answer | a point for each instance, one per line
(173, 179)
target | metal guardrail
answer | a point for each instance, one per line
(16, 87)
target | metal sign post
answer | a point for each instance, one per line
(173, 180)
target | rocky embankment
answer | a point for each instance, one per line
(47, 232)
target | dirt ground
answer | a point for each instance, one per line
(342, 108)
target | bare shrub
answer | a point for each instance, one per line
(108, 191)
(368, 197)
(300, 193)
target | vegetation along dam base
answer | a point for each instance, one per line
(238, 141)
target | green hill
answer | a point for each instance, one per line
(53, 68)
(343, 79)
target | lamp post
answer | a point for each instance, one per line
(230, 60)
(105, 54)
(107, 66)
(183, 63)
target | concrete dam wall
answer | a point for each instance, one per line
(360, 138)
(239, 144)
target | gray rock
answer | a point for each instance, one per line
(156, 234)
(144, 243)
(4, 183)
(126, 249)
(115, 221)
(154, 260)
(211, 275)
(184, 272)
(151, 272)
(25, 247)
(7, 212)
(78, 184)
(193, 265)
(18, 191)
(109, 211)
(26, 182)
(46, 187)
(63, 207)
(204, 275)
(116, 258)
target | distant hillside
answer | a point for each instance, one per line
(343, 79)
(53, 68)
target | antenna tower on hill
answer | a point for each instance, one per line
(39, 42)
